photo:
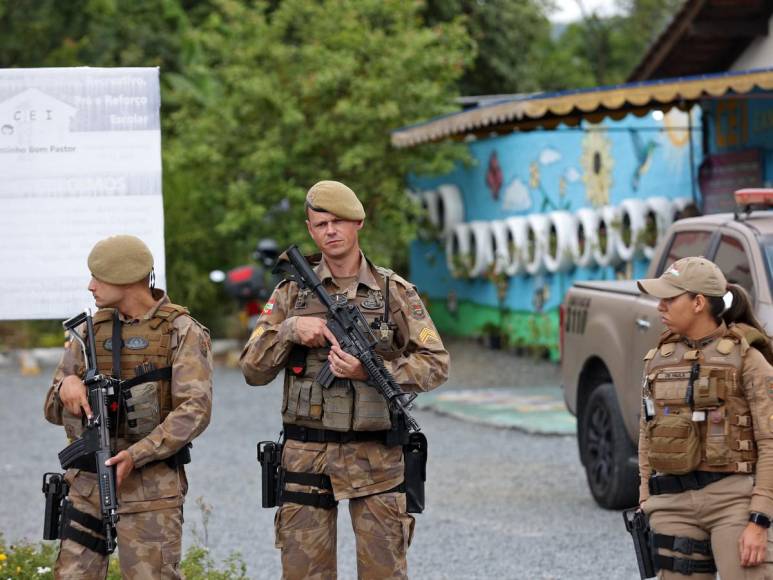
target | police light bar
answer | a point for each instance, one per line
(754, 196)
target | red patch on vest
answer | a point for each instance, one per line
(269, 307)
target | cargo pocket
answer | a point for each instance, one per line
(717, 450)
(142, 410)
(371, 412)
(171, 553)
(674, 445)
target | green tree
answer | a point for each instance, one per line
(279, 99)
(508, 35)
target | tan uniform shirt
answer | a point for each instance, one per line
(356, 469)
(422, 367)
(757, 385)
(191, 387)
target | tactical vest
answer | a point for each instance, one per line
(147, 345)
(714, 432)
(346, 405)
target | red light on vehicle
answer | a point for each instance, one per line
(752, 196)
(240, 274)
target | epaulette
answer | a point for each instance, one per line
(167, 312)
(395, 277)
(749, 336)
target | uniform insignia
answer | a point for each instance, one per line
(410, 293)
(269, 307)
(374, 300)
(339, 299)
(137, 343)
(302, 301)
(417, 310)
(428, 335)
(258, 332)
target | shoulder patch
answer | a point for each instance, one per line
(725, 346)
(428, 335)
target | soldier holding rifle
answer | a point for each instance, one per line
(159, 359)
(344, 438)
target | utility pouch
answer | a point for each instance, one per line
(415, 457)
(55, 489)
(674, 444)
(142, 410)
(270, 459)
(709, 390)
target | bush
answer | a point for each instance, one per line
(36, 562)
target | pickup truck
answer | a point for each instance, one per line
(608, 327)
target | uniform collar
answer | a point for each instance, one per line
(702, 342)
(364, 275)
(161, 299)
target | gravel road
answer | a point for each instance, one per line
(502, 504)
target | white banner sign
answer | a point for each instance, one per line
(80, 160)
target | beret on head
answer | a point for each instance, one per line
(120, 260)
(336, 198)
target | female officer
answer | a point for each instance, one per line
(706, 437)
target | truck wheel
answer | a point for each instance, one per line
(606, 451)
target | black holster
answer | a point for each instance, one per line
(638, 526)
(55, 489)
(415, 457)
(270, 459)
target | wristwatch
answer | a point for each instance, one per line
(760, 519)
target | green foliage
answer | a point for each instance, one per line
(36, 562)
(308, 91)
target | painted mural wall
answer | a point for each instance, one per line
(506, 238)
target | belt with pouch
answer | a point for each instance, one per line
(660, 484)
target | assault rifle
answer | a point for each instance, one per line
(353, 334)
(94, 444)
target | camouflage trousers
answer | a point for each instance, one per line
(307, 535)
(150, 541)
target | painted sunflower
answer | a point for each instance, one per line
(597, 162)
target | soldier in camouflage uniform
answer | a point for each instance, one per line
(169, 404)
(335, 438)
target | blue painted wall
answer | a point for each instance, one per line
(566, 168)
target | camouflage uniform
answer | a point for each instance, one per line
(151, 497)
(735, 439)
(363, 472)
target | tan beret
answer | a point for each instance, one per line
(336, 198)
(120, 260)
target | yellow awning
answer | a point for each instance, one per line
(547, 110)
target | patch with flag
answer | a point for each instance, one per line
(428, 335)
(417, 310)
(269, 307)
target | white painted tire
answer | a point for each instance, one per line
(429, 202)
(458, 245)
(517, 236)
(632, 222)
(564, 225)
(450, 208)
(680, 203)
(587, 236)
(609, 220)
(660, 211)
(537, 229)
(499, 231)
(482, 251)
